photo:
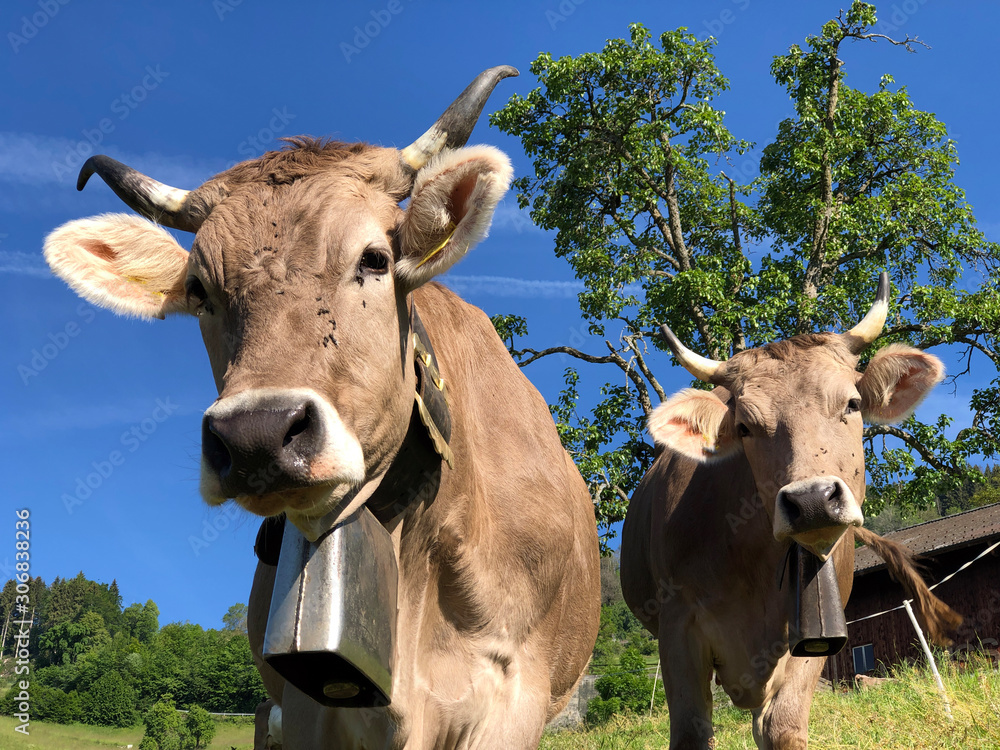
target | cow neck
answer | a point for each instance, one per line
(415, 472)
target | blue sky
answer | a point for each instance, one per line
(181, 90)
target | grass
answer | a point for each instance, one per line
(231, 733)
(904, 713)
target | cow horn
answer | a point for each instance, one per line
(453, 128)
(701, 367)
(169, 206)
(871, 325)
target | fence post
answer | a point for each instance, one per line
(930, 658)
(656, 674)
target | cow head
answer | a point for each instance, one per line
(299, 274)
(795, 410)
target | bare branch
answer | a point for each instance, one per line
(535, 355)
(908, 42)
(635, 377)
(929, 458)
(632, 342)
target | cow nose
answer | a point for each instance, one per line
(815, 512)
(812, 505)
(264, 449)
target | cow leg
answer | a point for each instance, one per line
(687, 679)
(267, 726)
(782, 723)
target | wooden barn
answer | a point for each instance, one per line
(944, 545)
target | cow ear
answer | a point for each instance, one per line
(696, 424)
(896, 381)
(450, 209)
(122, 262)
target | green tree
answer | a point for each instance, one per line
(628, 688)
(611, 585)
(68, 640)
(630, 172)
(200, 726)
(47, 704)
(165, 725)
(236, 618)
(110, 702)
(141, 621)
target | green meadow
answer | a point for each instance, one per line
(906, 712)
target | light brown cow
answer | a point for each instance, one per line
(305, 275)
(772, 457)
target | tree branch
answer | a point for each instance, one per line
(929, 458)
(640, 360)
(535, 355)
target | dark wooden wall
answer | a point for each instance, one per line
(974, 593)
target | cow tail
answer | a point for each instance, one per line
(939, 618)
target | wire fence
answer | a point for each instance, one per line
(946, 578)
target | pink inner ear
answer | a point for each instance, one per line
(459, 198)
(912, 387)
(99, 249)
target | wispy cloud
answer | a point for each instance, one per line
(509, 218)
(503, 286)
(24, 264)
(39, 160)
(41, 422)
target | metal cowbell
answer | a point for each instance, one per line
(816, 623)
(332, 623)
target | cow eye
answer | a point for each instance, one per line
(196, 293)
(853, 406)
(374, 261)
(742, 430)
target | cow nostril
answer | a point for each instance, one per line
(792, 510)
(216, 453)
(299, 426)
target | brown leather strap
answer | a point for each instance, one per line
(269, 537)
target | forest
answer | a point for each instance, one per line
(96, 662)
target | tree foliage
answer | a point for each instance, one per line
(630, 172)
(200, 726)
(165, 725)
(87, 670)
(236, 618)
(628, 689)
(110, 702)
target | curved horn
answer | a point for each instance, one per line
(871, 325)
(701, 367)
(169, 206)
(454, 127)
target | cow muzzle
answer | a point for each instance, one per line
(270, 440)
(815, 513)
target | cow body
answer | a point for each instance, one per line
(771, 458)
(497, 570)
(307, 277)
(701, 570)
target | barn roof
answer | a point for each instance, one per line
(933, 537)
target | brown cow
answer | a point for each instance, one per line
(773, 456)
(307, 278)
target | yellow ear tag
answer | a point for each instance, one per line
(440, 247)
